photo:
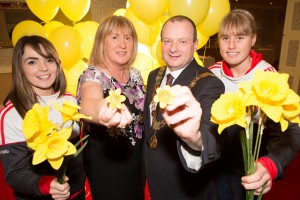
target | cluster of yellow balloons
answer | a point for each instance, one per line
(73, 43)
(148, 16)
(46, 10)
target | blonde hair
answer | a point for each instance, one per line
(107, 27)
(239, 20)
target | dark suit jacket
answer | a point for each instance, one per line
(166, 170)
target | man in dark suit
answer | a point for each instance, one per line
(180, 141)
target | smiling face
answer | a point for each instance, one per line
(118, 48)
(235, 48)
(39, 71)
(178, 45)
(237, 35)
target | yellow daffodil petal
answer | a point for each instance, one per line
(273, 112)
(71, 149)
(164, 96)
(291, 110)
(69, 111)
(284, 124)
(246, 88)
(36, 121)
(39, 155)
(56, 163)
(57, 147)
(224, 126)
(78, 116)
(270, 87)
(64, 133)
(228, 110)
(115, 99)
(294, 120)
(292, 97)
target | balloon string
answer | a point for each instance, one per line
(207, 45)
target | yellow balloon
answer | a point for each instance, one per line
(153, 48)
(44, 9)
(194, 9)
(164, 17)
(73, 75)
(202, 39)
(196, 57)
(87, 31)
(27, 27)
(218, 9)
(75, 10)
(148, 11)
(68, 44)
(120, 12)
(159, 55)
(147, 33)
(145, 64)
(51, 26)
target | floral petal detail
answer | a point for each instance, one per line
(39, 155)
(115, 99)
(57, 147)
(71, 149)
(229, 109)
(224, 126)
(270, 87)
(291, 98)
(295, 120)
(164, 96)
(64, 133)
(69, 111)
(273, 112)
(36, 121)
(56, 163)
(292, 110)
(283, 124)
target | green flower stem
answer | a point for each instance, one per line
(61, 172)
(243, 140)
(261, 194)
(251, 167)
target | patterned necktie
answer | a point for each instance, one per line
(169, 79)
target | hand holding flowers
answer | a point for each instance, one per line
(266, 96)
(50, 141)
(182, 113)
(113, 112)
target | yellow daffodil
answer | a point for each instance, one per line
(268, 95)
(36, 122)
(270, 87)
(228, 110)
(270, 91)
(164, 96)
(69, 111)
(115, 99)
(55, 148)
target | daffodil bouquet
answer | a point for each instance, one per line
(267, 96)
(50, 140)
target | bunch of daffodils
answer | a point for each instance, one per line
(50, 141)
(267, 96)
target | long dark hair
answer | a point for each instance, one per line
(21, 94)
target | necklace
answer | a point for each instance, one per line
(157, 125)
